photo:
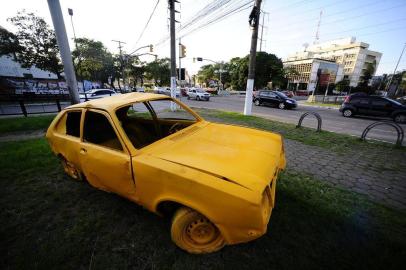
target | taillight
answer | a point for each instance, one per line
(347, 99)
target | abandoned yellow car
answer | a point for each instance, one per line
(216, 181)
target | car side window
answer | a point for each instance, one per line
(73, 123)
(380, 103)
(354, 100)
(363, 101)
(98, 130)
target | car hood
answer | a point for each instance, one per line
(244, 156)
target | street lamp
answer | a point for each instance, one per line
(200, 59)
(70, 11)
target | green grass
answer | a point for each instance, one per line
(30, 123)
(49, 221)
(332, 141)
(323, 104)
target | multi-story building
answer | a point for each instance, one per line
(353, 56)
(311, 71)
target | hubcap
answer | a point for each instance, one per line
(201, 232)
(347, 113)
(281, 105)
(256, 102)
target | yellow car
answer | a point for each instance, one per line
(216, 181)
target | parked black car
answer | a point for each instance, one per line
(373, 106)
(274, 98)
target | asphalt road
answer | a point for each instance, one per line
(332, 120)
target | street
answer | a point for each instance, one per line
(332, 120)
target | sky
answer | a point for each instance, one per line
(288, 24)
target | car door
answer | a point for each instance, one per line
(274, 99)
(380, 107)
(105, 161)
(362, 105)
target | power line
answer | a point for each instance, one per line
(146, 25)
(211, 14)
(294, 24)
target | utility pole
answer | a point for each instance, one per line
(262, 30)
(173, 51)
(63, 44)
(121, 59)
(180, 65)
(254, 18)
(396, 67)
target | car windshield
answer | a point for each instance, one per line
(281, 94)
(149, 121)
(200, 91)
(394, 101)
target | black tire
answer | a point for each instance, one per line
(282, 106)
(197, 98)
(188, 97)
(400, 118)
(348, 113)
(257, 102)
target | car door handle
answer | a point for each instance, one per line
(83, 151)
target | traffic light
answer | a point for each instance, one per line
(151, 48)
(182, 51)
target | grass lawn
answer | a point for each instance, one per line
(49, 221)
(323, 104)
(30, 123)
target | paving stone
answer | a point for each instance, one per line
(363, 172)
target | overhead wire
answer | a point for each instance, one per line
(146, 25)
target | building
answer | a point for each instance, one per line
(352, 55)
(313, 70)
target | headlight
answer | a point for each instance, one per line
(289, 101)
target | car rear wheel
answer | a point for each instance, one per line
(400, 118)
(194, 233)
(257, 102)
(347, 113)
(281, 106)
(71, 170)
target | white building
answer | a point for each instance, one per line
(308, 70)
(12, 69)
(353, 56)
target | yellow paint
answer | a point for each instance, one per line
(226, 173)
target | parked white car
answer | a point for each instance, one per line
(96, 93)
(198, 94)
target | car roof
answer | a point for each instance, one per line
(113, 102)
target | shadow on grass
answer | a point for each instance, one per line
(50, 221)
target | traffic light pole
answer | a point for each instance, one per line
(253, 53)
(180, 61)
(173, 52)
(63, 44)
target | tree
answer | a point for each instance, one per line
(159, 70)
(9, 43)
(92, 61)
(367, 75)
(38, 43)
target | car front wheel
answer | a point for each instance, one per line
(347, 113)
(281, 106)
(197, 98)
(257, 103)
(400, 118)
(194, 233)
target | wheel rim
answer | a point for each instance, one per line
(400, 118)
(347, 113)
(256, 102)
(281, 105)
(201, 233)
